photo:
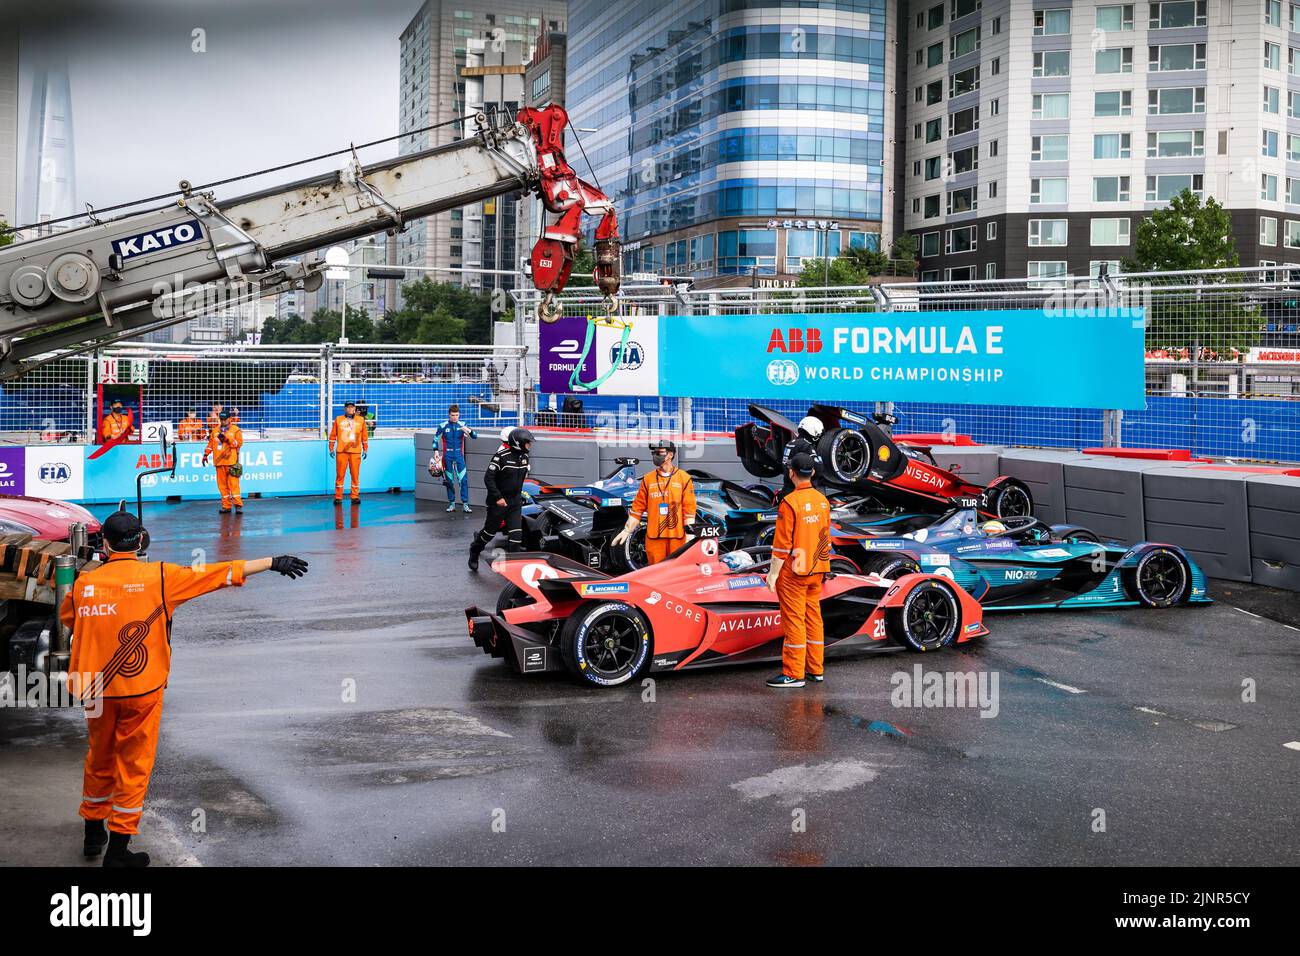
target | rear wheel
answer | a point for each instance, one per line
(890, 566)
(928, 619)
(1081, 536)
(1011, 499)
(762, 491)
(606, 644)
(1159, 580)
(631, 553)
(847, 454)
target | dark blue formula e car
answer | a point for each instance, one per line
(1021, 563)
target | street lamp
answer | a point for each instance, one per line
(337, 262)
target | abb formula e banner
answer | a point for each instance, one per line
(1064, 358)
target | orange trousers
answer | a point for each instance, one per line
(123, 743)
(345, 462)
(656, 549)
(228, 485)
(801, 624)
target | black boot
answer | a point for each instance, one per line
(96, 837)
(473, 559)
(119, 855)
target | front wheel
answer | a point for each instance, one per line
(846, 453)
(606, 644)
(928, 619)
(1159, 580)
(892, 566)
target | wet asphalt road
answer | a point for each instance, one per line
(1129, 720)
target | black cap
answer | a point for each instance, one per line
(666, 445)
(224, 413)
(116, 403)
(804, 464)
(123, 531)
(349, 404)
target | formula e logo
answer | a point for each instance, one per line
(54, 473)
(166, 238)
(633, 356)
(782, 372)
(568, 349)
(795, 340)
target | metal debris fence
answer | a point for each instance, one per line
(1222, 359)
(1222, 370)
(284, 391)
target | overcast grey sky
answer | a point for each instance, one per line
(281, 80)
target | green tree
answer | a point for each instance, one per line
(424, 298)
(5, 236)
(904, 249)
(441, 328)
(1186, 235)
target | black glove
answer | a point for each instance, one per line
(289, 565)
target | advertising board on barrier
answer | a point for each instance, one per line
(271, 469)
(1064, 358)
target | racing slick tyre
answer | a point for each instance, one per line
(512, 595)
(760, 537)
(1160, 579)
(890, 566)
(1081, 536)
(928, 619)
(631, 553)
(762, 491)
(846, 454)
(841, 565)
(606, 644)
(1010, 499)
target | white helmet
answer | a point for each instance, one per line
(812, 427)
(505, 432)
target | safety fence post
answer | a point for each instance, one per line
(326, 389)
(92, 364)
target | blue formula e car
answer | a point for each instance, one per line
(580, 521)
(1019, 563)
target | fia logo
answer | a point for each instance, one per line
(782, 372)
(54, 473)
(633, 356)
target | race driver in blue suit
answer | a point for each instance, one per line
(451, 436)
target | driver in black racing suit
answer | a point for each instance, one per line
(505, 493)
(805, 443)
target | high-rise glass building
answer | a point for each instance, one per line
(9, 128)
(737, 137)
(49, 184)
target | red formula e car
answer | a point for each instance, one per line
(867, 472)
(698, 608)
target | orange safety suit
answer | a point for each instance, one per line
(121, 619)
(667, 503)
(223, 449)
(191, 429)
(349, 440)
(114, 426)
(803, 542)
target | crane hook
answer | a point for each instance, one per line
(548, 310)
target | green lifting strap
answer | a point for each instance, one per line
(588, 343)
